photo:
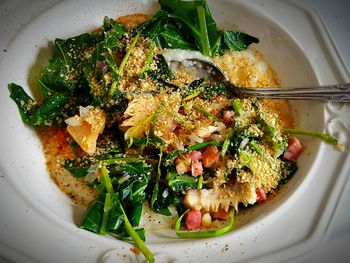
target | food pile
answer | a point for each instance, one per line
(124, 132)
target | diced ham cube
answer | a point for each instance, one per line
(193, 219)
(210, 156)
(194, 155)
(261, 195)
(294, 149)
(196, 168)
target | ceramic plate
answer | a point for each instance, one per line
(39, 223)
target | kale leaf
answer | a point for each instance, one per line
(63, 72)
(50, 112)
(179, 24)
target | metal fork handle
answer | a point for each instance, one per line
(337, 92)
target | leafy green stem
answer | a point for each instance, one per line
(203, 234)
(205, 112)
(205, 44)
(106, 180)
(156, 117)
(128, 53)
(156, 186)
(200, 182)
(323, 136)
(227, 141)
(148, 58)
(237, 106)
(107, 207)
(63, 55)
(192, 148)
(136, 238)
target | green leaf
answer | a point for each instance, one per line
(136, 238)
(192, 148)
(77, 172)
(63, 72)
(25, 104)
(156, 186)
(206, 112)
(323, 136)
(194, 19)
(171, 38)
(105, 179)
(93, 218)
(238, 41)
(50, 111)
(182, 182)
(237, 106)
(113, 31)
(204, 38)
(289, 168)
(227, 142)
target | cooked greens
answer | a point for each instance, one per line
(141, 135)
(190, 25)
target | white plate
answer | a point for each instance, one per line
(38, 222)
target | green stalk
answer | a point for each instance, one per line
(62, 53)
(157, 115)
(191, 96)
(203, 234)
(323, 136)
(192, 148)
(227, 142)
(112, 88)
(237, 106)
(128, 53)
(155, 189)
(205, 44)
(205, 112)
(135, 237)
(148, 58)
(106, 179)
(107, 207)
(257, 147)
(200, 182)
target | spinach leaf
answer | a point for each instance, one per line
(113, 31)
(289, 168)
(269, 125)
(162, 73)
(182, 182)
(166, 197)
(196, 17)
(205, 90)
(126, 183)
(25, 104)
(93, 218)
(77, 171)
(237, 41)
(179, 24)
(116, 218)
(103, 61)
(51, 112)
(63, 72)
(170, 37)
(153, 26)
